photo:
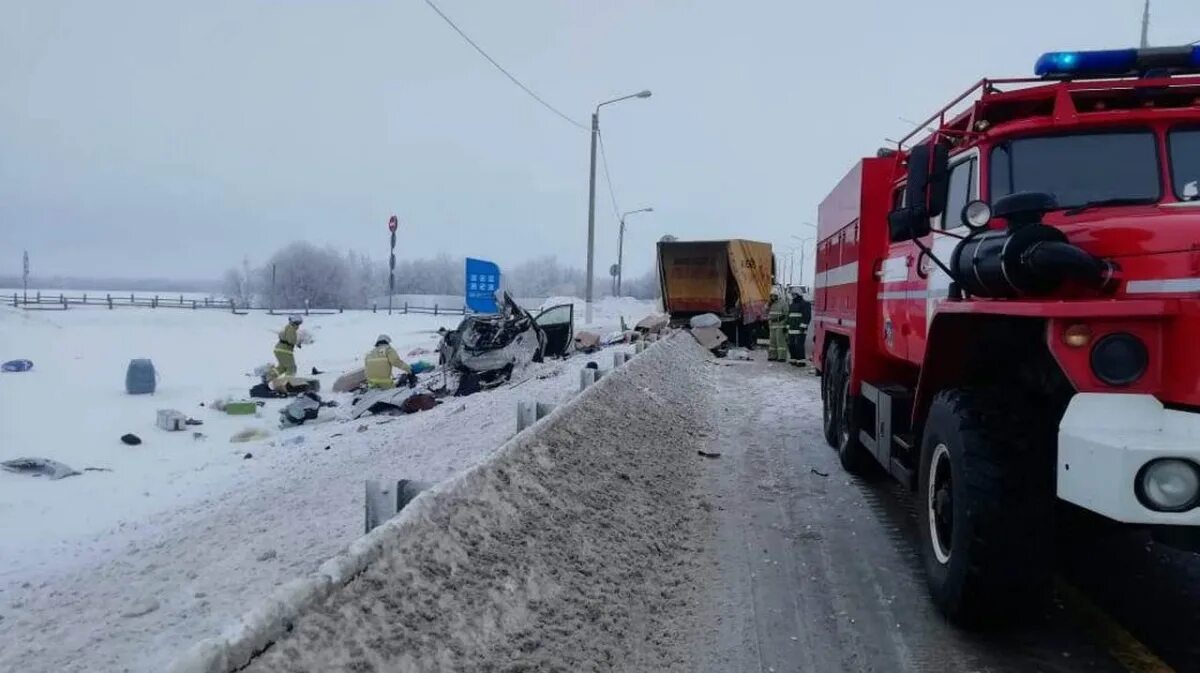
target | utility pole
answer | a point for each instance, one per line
(591, 257)
(621, 247)
(392, 224)
(591, 251)
(1146, 25)
(25, 278)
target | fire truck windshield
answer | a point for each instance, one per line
(1080, 169)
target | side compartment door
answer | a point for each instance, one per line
(558, 323)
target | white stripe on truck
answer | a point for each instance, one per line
(842, 275)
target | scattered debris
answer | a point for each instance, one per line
(131, 439)
(419, 402)
(613, 338)
(328, 447)
(739, 354)
(421, 366)
(709, 454)
(316, 372)
(263, 390)
(267, 555)
(705, 320)
(587, 342)
(142, 607)
(170, 420)
(249, 435)
(363, 428)
(39, 467)
(199, 436)
(305, 408)
(652, 324)
(711, 338)
(240, 408)
(418, 351)
(140, 377)
(352, 380)
(818, 472)
(15, 366)
(97, 469)
(248, 456)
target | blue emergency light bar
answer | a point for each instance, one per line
(1118, 62)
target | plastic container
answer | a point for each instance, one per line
(140, 377)
(170, 419)
(241, 408)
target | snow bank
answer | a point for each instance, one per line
(606, 312)
(567, 548)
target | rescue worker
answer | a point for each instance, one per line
(379, 362)
(777, 316)
(289, 341)
(799, 315)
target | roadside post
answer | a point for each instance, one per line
(25, 279)
(393, 223)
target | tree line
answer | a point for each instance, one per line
(301, 274)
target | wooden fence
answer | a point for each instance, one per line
(62, 302)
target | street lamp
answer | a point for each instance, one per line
(802, 248)
(621, 244)
(591, 252)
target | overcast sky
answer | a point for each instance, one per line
(161, 138)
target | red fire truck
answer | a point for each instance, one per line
(1007, 319)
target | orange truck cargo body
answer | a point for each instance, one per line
(729, 278)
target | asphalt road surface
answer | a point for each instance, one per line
(815, 570)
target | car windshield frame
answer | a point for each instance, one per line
(1005, 147)
(1193, 129)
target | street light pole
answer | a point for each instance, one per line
(591, 257)
(621, 245)
(803, 242)
(591, 251)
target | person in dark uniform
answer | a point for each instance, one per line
(799, 316)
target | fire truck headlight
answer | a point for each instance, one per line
(1119, 359)
(1169, 485)
(977, 214)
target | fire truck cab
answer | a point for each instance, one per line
(1007, 319)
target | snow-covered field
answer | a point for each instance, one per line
(121, 569)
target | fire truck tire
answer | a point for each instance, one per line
(985, 507)
(853, 456)
(829, 403)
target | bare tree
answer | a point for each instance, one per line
(306, 275)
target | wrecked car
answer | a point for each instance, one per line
(485, 348)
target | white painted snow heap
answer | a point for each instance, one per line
(568, 550)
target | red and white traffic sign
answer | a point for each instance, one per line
(393, 222)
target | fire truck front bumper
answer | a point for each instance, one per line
(1129, 458)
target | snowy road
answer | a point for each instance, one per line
(820, 573)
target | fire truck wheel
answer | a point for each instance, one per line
(984, 511)
(829, 392)
(852, 454)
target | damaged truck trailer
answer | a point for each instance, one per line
(731, 279)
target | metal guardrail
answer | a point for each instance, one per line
(62, 302)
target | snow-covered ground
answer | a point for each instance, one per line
(188, 530)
